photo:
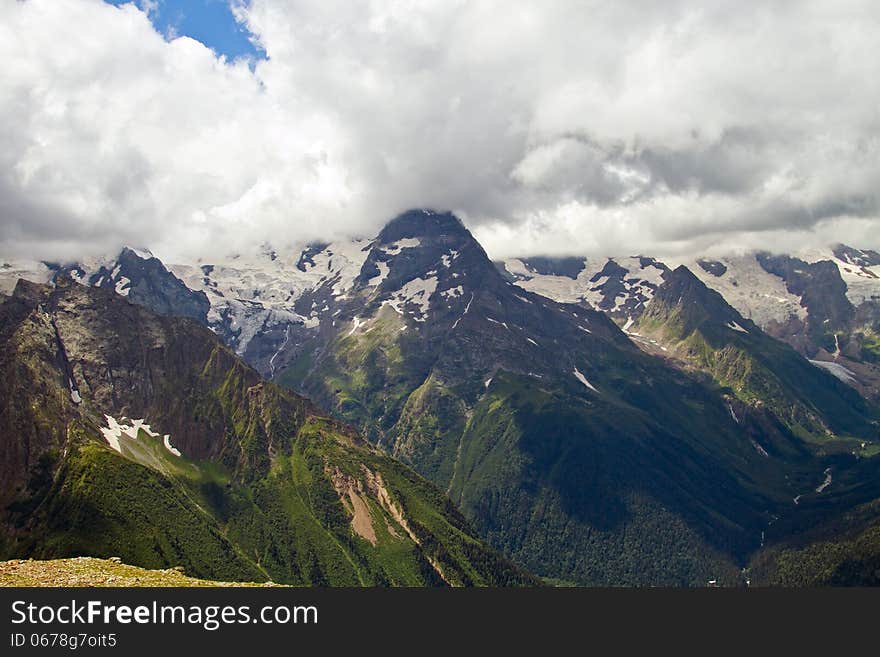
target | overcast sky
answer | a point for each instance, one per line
(550, 127)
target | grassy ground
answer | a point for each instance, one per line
(90, 572)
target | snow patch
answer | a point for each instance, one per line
(466, 308)
(122, 288)
(759, 449)
(396, 247)
(74, 393)
(453, 292)
(418, 292)
(580, 377)
(732, 414)
(143, 254)
(166, 440)
(383, 274)
(114, 431)
(447, 258)
(356, 324)
(736, 327)
(844, 374)
(280, 349)
(825, 484)
(533, 342)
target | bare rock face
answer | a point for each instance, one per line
(33, 366)
(143, 278)
(822, 291)
(95, 347)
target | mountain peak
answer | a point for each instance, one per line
(684, 292)
(425, 244)
(683, 274)
(143, 254)
(682, 284)
(422, 223)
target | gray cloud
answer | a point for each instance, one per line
(555, 127)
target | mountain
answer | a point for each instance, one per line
(620, 287)
(570, 448)
(137, 435)
(678, 316)
(600, 421)
(694, 324)
(262, 303)
(825, 303)
(144, 279)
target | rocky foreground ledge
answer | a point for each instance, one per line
(91, 572)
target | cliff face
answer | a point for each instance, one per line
(143, 278)
(85, 351)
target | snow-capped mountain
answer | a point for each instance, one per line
(619, 287)
(756, 293)
(777, 287)
(751, 283)
(535, 415)
(262, 302)
(132, 273)
(141, 277)
(257, 303)
(510, 386)
(824, 302)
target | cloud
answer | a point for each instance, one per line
(559, 127)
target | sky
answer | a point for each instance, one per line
(563, 127)
(211, 22)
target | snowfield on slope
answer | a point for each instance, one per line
(259, 291)
(844, 374)
(114, 431)
(416, 292)
(755, 293)
(862, 283)
(638, 283)
(580, 377)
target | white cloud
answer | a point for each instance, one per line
(553, 127)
